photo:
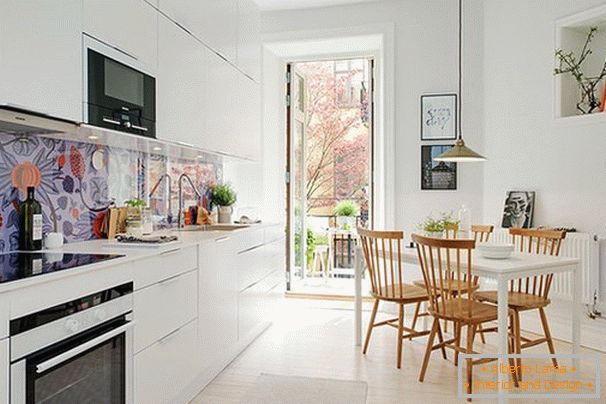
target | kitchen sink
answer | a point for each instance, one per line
(215, 227)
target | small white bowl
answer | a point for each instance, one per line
(495, 251)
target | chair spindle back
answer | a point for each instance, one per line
(382, 252)
(532, 241)
(446, 265)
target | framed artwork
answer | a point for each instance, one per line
(437, 175)
(439, 117)
(518, 209)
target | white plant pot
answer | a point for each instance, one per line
(225, 213)
(346, 220)
(434, 234)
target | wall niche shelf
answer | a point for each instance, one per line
(570, 35)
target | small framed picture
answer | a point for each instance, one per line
(518, 209)
(439, 117)
(437, 175)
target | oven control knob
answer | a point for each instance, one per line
(72, 325)
(100, 315)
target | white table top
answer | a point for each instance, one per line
(517, 266)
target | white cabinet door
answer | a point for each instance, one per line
(164, 370)
(4, 370)
(180, 85)
(41, 56)
(221, 103)
(218, 299)
(214, 22)
(248, 131)
(249, 38)
(129, 25)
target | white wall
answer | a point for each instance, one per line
(425, 62)
(526, 147)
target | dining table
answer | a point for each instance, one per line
(518, 265)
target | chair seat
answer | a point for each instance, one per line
(409, 294)
(454, 289)
(458, 310)
(517, 300)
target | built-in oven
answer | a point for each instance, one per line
(119, 94)
(77, 352)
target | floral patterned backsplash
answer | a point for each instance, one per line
(76, 183)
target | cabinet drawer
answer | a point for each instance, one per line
(165, 265)
(249, 239)
(254, 303)
(164, 307)
(4, 364)
(166, 368)
(273, 233)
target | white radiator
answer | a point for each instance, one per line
(584, 246)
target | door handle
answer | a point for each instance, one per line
(141, 128)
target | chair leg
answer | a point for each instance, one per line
(428, 349)
(517, 331)
(441, 339)
(482, 338)
(371, 324)
(471, 330)
(457, 342)
(400, 334)
(548, 335)
(414, 318)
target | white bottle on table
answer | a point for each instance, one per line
(464, 222)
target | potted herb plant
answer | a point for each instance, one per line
(432, 227)
(224, 197)
(346, 212)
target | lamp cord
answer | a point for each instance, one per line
(460, 114)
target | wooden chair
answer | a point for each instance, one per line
(446, 265)
(530, 293)
(382, 252)
(481, 233)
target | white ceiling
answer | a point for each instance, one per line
(298, 4)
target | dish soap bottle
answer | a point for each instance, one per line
(30, 212)
(465, 222)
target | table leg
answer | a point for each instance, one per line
(576, 314)
(503, 309)
(358, 272)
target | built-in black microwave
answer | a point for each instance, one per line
(119, 96)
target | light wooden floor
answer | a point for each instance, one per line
(314, 339)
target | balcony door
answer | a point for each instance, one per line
(329, 171)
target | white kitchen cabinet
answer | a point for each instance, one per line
(181, 86)
(249, 38)
(255, 304)
(4, 371)
(129, 25)
(41, 56)
(248, 119)
(167, 368)
(218, 298)
(221, 103)
(214, 22)
(162, 308)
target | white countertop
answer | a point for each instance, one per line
(129, 252)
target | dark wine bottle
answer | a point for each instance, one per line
(30, 212)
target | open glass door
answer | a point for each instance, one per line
(329, 171)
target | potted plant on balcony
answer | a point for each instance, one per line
(224, 197)
(346, 212)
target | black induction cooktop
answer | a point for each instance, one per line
(20, 265)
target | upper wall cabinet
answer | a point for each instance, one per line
(41, 56)
(214, 22)
(249, 38)
(180, 85)
(131, 26)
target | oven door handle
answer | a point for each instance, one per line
(67, 355)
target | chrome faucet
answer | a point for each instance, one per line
(169, 215)
(191, 183)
